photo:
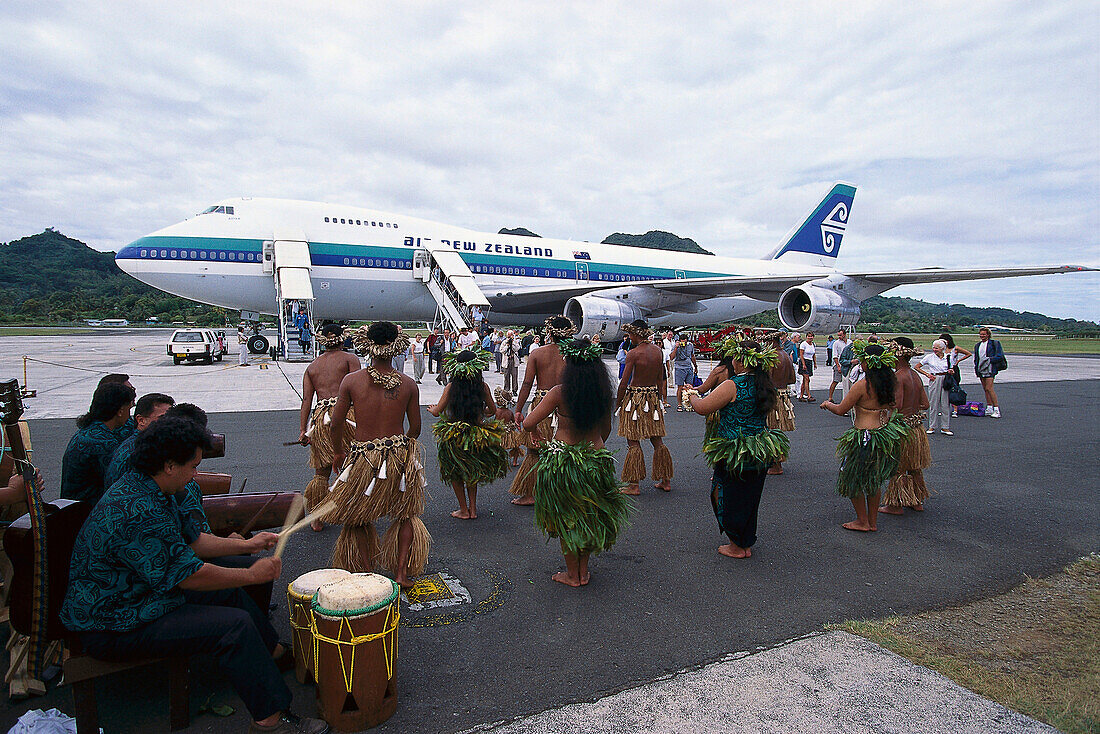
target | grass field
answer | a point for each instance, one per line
(1013, 344)
(1035, 649)
(43, 330)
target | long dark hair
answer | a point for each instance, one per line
(947, 338)
(107, 400)
(882, 380)
(467, 399)
(766, 396)
(586, 391)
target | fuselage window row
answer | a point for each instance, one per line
(358, 222)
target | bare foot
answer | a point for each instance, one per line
(403, 581)
(632, 490)
(316, 526)
(856, 525)
(564, 578)
(473, 514)
(461, 514)
(889, 510)
(733, 551)
(918, 508)
(748, 553)
(585, 579)
(515, 463)
(524, 501)
(665, 486)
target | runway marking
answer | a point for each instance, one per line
(435, 591)
(263, 366)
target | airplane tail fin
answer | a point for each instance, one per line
(816, 240)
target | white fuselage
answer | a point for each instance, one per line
(362, 263)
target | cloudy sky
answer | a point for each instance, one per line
(971, 129)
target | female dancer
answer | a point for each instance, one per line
(470, 448)
(742, 447)
(514, 438)
(577, 497)
(868, 451)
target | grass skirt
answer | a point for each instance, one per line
(470, 454)
(320, 436)
(907, 487)
(577, 497)
(523, 484)
(642, 414)
(745, 451)
(383, 477)
(782, 417)
(868, 457)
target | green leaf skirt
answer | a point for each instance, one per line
(745, 451)
(578, 498)
(868, 457)
(471, 454)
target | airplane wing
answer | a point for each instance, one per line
(540, 300)
(761, 287)
(942, 275)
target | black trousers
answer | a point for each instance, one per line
(735, 498)
(226, 624)
(435, 358)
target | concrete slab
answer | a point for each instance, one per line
(825, 683)
(64, 370)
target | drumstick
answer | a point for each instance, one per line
(248, 526)
(324, 509)
(297, 508)
(241, 490)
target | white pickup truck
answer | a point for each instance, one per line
(194, 344)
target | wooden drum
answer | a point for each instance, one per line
(355, 650)
(299, 597)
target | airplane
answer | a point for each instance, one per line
(363, 262)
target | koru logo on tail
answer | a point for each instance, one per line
(832, 227)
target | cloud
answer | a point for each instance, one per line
(969, 129)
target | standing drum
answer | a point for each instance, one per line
(299, 597)
(355, 650)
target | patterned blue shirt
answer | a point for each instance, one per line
(739, 417)
(128, 560)
(127, 429)
(85, 463)
(120, 461)
(188, 502)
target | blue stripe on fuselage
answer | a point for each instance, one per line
(249, 251)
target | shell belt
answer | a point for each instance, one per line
(378, 444)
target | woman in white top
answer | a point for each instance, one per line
(806, 363)
(935, 366)
(955, 354)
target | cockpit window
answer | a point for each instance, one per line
(218, 210)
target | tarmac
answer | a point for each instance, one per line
(669, 636)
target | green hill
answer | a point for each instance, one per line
(51, 278)
(656, 240)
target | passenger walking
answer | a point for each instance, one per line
(509, 351)
(806, 363)
(935, 367)
(988, 361)
(242, 347)
(836, 352)
(417, 349)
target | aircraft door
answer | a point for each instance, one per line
(421, 265)
(268, 251)
(582, 272)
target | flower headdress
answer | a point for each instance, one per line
(902, 351)
(331, 339)
(467, 369)
(638, 334)
(559, 334)
(874, 361)
(759, 358)
(364, 344)
(580, 353)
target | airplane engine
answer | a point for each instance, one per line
(811, 308)
(602, 316)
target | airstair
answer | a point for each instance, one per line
(452, 285)
(287, 259)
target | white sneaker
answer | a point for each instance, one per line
(996, 412)
(930, 431)
(989, 410)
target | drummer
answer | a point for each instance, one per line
(138, 587)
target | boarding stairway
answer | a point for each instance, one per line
(287, 259)
(452, 285)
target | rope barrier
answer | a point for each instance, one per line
(104, 372)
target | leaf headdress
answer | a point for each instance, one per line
(466, 369)
(573, 350)
(874, 361)
(759, 358)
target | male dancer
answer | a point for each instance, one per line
(641, 408)
(383, 474)
(543, 371)
(322, 378)
(782, 376)
(907, 487)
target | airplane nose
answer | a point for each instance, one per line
(126, 257)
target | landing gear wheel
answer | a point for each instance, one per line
(257, 344)
(176, 360)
